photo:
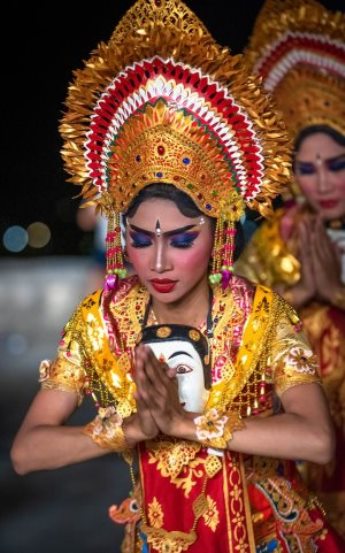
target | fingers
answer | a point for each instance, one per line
(150, 376)
(304, 235)
(155, 370)
(323, 247)
(140, 377)
(156, 383)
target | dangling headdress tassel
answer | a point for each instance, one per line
(114, 255)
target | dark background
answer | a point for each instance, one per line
(61, 511)
(47, 41)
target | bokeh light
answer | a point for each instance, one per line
(15, 238)
(39, 234)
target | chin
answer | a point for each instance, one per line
(330, 214)
(170, 297)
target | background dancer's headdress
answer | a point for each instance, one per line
(163, 102)
(298, 48)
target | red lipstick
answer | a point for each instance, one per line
(328, 204)
(163, 285)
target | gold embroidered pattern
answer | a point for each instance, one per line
(236, 504)
(302, 360)
(168, 542)
(65, 373)
(212, 465)
(172, 458)
(211, 517)
(254, 344)
(155, 514)
(176, 541)
(292, 360)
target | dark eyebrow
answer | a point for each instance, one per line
(300, 163)
(328, 160)
(331, 159)
(167, 233)
(179, 353)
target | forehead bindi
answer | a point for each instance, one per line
(319, 147)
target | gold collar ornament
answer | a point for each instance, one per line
(163, 102)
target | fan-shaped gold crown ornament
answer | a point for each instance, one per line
(163, 102)
(298, 48)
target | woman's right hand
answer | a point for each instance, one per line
(140, 426)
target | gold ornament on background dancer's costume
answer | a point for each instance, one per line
(163, 102)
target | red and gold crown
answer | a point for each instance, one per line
(298, 48)
(163, 102)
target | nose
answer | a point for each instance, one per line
(324, 180)
(160, 262)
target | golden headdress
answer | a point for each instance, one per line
(163, 102)
(298, 48)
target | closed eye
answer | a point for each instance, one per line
(184, 240)
(140, 240)
(305, 168)
(336, 164)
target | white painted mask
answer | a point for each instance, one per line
(182, 355)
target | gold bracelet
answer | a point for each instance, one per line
(106, 430)
(215, 430)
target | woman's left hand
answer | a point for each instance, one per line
(159, 390)
(326, 263)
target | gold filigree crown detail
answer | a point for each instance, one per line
(165, 145)
(163, 102)
(298, 48)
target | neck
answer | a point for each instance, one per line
(189, 310)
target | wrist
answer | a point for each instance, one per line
(133, 431)
(183, 427)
